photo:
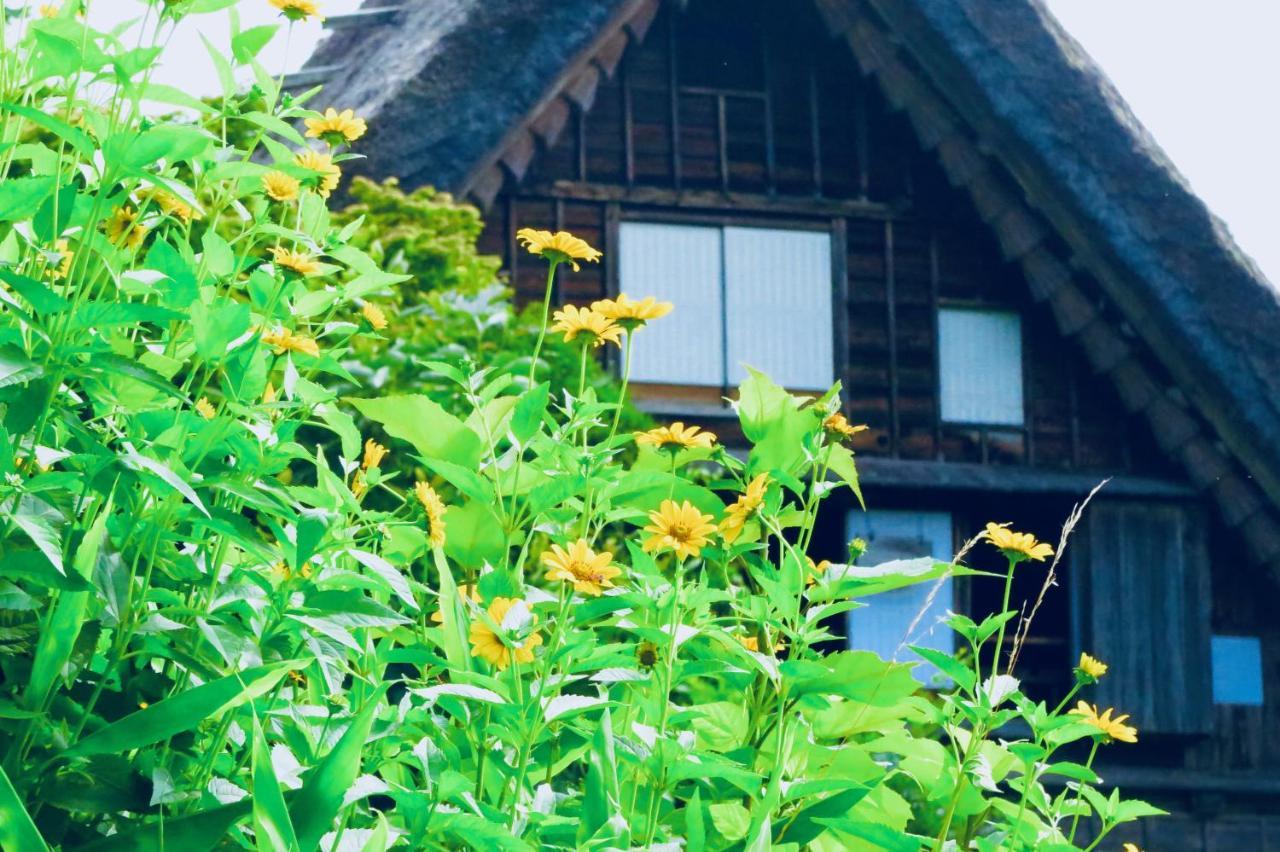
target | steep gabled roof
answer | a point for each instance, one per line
(461, 93)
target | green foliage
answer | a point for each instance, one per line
(228, 621)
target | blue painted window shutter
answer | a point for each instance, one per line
(980, 358)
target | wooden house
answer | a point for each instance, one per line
(946, 206)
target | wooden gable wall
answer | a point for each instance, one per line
(790, 131)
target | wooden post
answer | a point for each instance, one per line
(891, 319)
(673, 89)
(815, 132)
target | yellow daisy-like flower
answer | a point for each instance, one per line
(283, 340)
(336, 127)
(838, 427)
(1112, 728)
(297, 262)
(359, 485)
(374, 453)
(679, 528)
(49, 10)
(573, 321)
(1130, 847)
(171, 205)
(647, 654)
(374, 314)
(560, 247)
(123, 228)
(676, 437)
(205, 409)
(298, 10)
(629, 313)
(323, 165)
(280, 186)
(63, 267)
(816, 569)
(752, 642)
(590, 572)
(743, 508)
(471, 593)
(435, 509)
(489, 646)
(1016, 546)
(1091, 666)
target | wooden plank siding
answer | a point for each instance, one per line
(786, 130)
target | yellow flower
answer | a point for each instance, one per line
(269, 392)
(676, 437)
(63, 268)
(283, 340)
(1113, 729)
(629, 313)
(49, 10)
(590, 572)
(374, 453)
(123, 228)
(295, 261)
(752, 642)
(838, 427)
(471, 592)
(816, 569)
(574, 320)
(280, 186)
(371, 312)
(1016, 546)
(679, 528)
(435, 509)
(298, 10)
(647, 655)
(489, 646)
(1130, 847)
(1091, 666)
(336, 127)
(171, 205)
(743, 508)
(205, 409)
(359, 485)
(559, 247)
(327, 171)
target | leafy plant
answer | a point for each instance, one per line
(228, 619)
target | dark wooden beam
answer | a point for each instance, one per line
(891, 321)
(722, 142)
(815, 131)
(715, 200)
(673, 91)
(628, 125)
(880, 472)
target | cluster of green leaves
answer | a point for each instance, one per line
(225, 620)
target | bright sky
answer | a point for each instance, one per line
(1201, 76)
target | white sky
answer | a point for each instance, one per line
(1202, 76)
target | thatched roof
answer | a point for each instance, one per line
(448, 82)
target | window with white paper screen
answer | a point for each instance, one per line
(678, 264)
(778, 305)
(882, 624)
(980, 358)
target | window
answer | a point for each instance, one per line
(744, 296)
(980, 363)
(1237, 670)
(882, 625)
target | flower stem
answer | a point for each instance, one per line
(546, 314)
(655, 802)
(1075, 820)
(622, 392)
(1004, 608)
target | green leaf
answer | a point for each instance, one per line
(433, 432)
(195, 833)
(58, 640)
(602, 798)
(216, 325)
(218, 254)
(527, 416)
(314, 807)
(840, 462)
(248, 44)
(807, 825)
(948, 665)
(20, 198)
(99, 314)
(73, 136)
(37, 519)
(278, 126)
(182, 712)
(731, 819)
(182, 288)
(17, 832)
(46, 224)
(473, 534)
(464, 479)
(43, 300)
(226, 75)
(16, 368)
(453, 624)
(271, 824)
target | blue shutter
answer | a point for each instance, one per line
(678, 264)
(778, 305)
(980, 357)
(882, 625)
